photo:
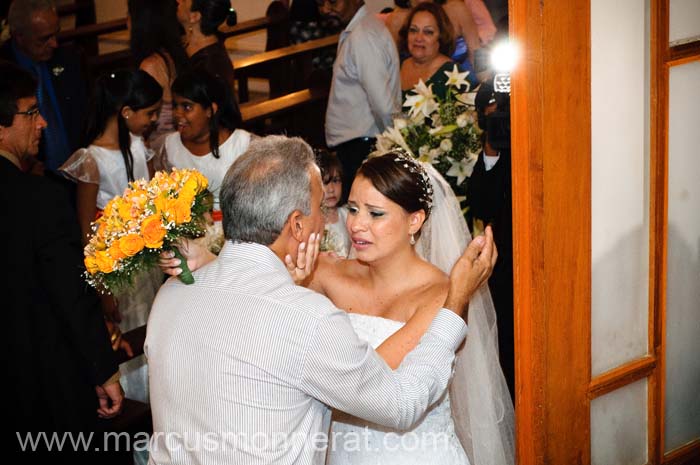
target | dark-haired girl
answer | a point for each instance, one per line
(125, 104)
(156, 46)
(201, 20)
(208, 137)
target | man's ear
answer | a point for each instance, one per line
(296, 226)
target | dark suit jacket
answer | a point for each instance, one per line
(58, 347)
(70, 87)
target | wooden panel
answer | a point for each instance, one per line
(551, 212)
(621, 376)
(686, 455)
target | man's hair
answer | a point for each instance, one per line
(15, 83)
(264, 186)
(20, 14)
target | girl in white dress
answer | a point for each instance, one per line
(208, 137)
(335, 236)
(124, 106)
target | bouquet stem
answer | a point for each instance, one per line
(186, 275)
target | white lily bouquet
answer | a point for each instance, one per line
(442, 131)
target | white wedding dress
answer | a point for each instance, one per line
(473, 423)
(432, 441)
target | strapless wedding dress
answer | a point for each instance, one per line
(358, 442)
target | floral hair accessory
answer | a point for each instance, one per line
(414, 166)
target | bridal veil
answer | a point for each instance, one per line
(481, 404)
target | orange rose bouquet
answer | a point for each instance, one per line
(148, 218)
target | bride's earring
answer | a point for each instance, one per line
(413, 239)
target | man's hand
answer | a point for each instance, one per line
(111, 397)
(196, 255)
(471, 271)
(306, 259)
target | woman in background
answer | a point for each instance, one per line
(201, 20)
(156, 46)
(427, 35)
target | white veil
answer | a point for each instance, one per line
(481, 404)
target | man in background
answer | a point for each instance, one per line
(366, 88)
(34, 27)
(60, 370)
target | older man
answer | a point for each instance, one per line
(366, 88)
(244, 364)
(60, 370)
(61, 91)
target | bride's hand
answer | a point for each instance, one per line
(472, 269)
(196, 255)
(306, 259)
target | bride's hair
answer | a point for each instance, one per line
(400, 180)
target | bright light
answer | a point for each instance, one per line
(503, 57)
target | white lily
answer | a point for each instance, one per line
(461, 169)
(421, 101)
(457, 79)
(427, 155)
(467, 98)
(400, 123)
(394, 135)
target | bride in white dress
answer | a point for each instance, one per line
(398, 218)
(407, 232)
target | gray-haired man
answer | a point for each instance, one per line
(244, 364)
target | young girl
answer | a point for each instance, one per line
(125, 104)
(207, 137)
(335, 236)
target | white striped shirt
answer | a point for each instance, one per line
(243, 364)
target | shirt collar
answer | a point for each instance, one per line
(359, 14)
(23, 60)
(11, 157)
(262, 255)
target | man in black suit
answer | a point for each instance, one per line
(61, 92)
(60, 369)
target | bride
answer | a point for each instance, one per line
(407, 231)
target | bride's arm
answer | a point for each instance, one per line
(398, 345)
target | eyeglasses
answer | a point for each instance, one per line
(32, 112)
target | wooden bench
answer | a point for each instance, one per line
(288, 63)
(276, 22)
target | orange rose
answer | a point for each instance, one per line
(181, 210)
(131, 244)
(153, 232)
(115, 251)
(91, 264)
(104, 262)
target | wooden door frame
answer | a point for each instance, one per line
(551, 166)
(551, 176)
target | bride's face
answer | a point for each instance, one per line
(377, 226)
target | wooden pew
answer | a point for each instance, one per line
(276, 22)
(274, 61)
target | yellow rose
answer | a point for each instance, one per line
(190, 189)
(131, 244)
(181, 210)
(153, 232)
(162, 204)
(124, 209)
(104, 262)
(91, 264)
(202, 181)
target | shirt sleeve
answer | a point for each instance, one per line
(377, 70)
(81, 166)
(345, 373)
